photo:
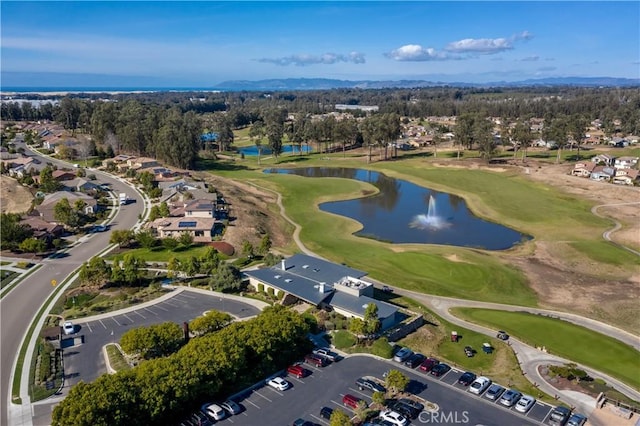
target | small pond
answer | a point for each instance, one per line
(403, 212)
(286, 149)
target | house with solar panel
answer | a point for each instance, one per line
(203, 229)
(324, 284)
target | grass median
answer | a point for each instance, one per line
(576, 343)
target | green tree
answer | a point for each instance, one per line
(339, 418)
(396, 381)
(47, 183)
(558, 133)
(378, 398)
(522, 137)
(133, 269)
(357, 327)
(154, 341)
(185, 239)
(154, 213)
(145, 239)
(256, 134)
(482, 135)
(274, 129)
(190, 266)
(576, 128)
(210, 322)
(209, 261)
(265, 245)
(164, 209)
(12, 233)
(95, 272)
(371, 320)
(122, 237)
(33, 245)
(173, 267)
(170, 243)
(226, 277)
(62, 212)
(247, 249)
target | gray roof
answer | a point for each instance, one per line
(300, 287)
(357, 305)
(318, 270)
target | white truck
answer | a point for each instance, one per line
(123, 199)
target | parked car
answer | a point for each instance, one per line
(403, 409)
(577, 420)
(214, 412)
(479, 385)
(559, 416)
(200, 419)
(298, 371)
(414, 360)
(326, 412)
(302, 422)
(494, 392)
(502, 335)
(510, 397)
(525, 403)
(468, 351)
(428, 364)
(466, 378)
(387, 289)
(231, 407)
(315, 360)
(278, 383)
(402, 355)
(394, 417)
(325, 353)
(368, 384)
(68, 327)
(440, 369)
(351, 401)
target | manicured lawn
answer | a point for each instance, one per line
(6, 277)
(160, 254)
(605, 252)
(343, 339)
(564, 339)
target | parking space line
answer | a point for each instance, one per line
(114, 320)
(136, 312)
(160, 307)
(89, 327)
(171, 304)
(100, 321)
(185, 295)
(251, 404)
(259, 394)
(273, 390)
(359, 392)
(147, 309)
(127, 317)
(319, 419)
(295, 378)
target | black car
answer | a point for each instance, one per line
(468, 351)
(440, 369)
(502, 335)
(467, 378)
(326, 412)
(404, 409)
(363, 383)
(415, 360)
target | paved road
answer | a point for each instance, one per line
(19, 307)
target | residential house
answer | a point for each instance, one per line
(203, 229)
(603, 173)
(22, 171)
(141, 163)
(199, 208)
(80, 184)
(583, 169)
(626, 177)
(626, 162)
(323, 284)
(46, 209)
(62, 175)
(633, 140)
(603, 159)
(42, 229)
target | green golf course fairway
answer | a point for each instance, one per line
(579, 344)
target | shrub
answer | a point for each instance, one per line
(260, 288)
(343, 339)
(271, 293)
(382, 348)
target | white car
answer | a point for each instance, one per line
(525, 403)
(68, 327)
(394, 417)
(231, 407)
(278, 383)
(214, 411)
(479, 385)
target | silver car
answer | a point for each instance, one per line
(510, 397)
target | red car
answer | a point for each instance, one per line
(298, 371)
(428, 364)
(315, 360)
(351, 401)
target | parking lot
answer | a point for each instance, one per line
(327, 385)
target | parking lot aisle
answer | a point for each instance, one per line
(261, 395)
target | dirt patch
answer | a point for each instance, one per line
(15, 197)
(254, 211)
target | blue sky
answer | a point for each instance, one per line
(204, 43)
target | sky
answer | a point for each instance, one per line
(204, 43)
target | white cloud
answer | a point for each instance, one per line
(487, 46)
(326, 59)
(533, 58)
(415, 52)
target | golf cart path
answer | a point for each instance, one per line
(607, 234)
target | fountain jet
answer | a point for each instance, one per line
(429, 221)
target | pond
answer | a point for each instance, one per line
(403, 212)
(286, 149)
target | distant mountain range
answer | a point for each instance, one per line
(326, 84)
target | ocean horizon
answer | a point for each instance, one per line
(99, 89)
